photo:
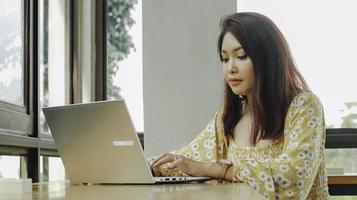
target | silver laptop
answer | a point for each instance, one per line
(98, 144)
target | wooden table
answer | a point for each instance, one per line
(201, 191)
(197, 191)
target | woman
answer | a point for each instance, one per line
(270, 132)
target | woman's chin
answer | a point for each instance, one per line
(237, 91)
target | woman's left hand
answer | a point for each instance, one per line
(185, 165)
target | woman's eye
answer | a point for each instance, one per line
(242, 57)
(224, 60)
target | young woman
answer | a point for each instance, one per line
(270, 132)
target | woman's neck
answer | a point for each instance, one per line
(248, 109)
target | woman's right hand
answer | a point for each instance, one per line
(162, 158)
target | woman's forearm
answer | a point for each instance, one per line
(219, 172)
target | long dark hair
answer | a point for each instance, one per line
(276, 79)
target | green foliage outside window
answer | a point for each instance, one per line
(119, 42)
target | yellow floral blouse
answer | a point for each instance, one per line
(292, 167)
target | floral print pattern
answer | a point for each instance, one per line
(292, 167)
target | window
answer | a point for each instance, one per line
(11, 52)
(344, 198)
(124, 56)
(14, 117)
(54, 70)
(52, 169)
(53, 59)
(9, 166)
(322, 41)
(27, 25)
(339, 161)
(323, 46)
(47, 58)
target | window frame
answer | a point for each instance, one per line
(341, 138)
(101, 50)
(31, 143)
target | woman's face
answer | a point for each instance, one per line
(237, 66)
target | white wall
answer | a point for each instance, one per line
(183, 84)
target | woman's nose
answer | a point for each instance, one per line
(232, 66)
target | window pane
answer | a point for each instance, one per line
(124, 48)
(52, 169)
(340, 161)
(9, 166)
(52, 55)
(323, 41)
(11, 51)
(344, 198)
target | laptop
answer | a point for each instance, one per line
(98, 144)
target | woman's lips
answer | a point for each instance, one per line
(235, 82)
